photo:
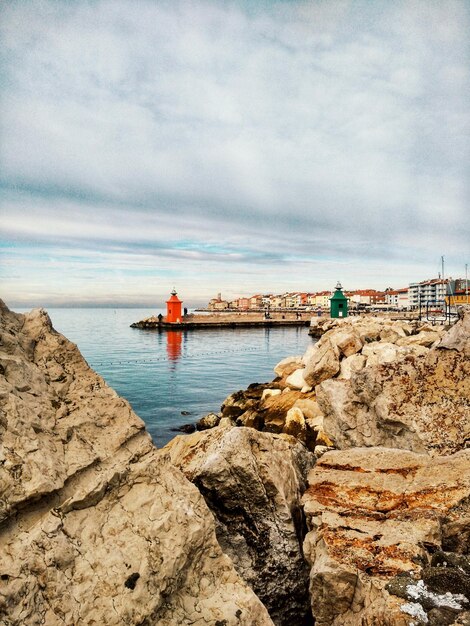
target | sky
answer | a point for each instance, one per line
(230, 146)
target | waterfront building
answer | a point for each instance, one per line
(368, 296)
(428, 293)
(322, 298)
(397, 298)
(458, 292)
(256, 302)
(243, 304)
(217, 304)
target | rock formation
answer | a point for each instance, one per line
(97, 526)
(253, 483)
(377, 516)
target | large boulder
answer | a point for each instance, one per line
(287, 366)
(458, 337)
(419, 401)
(322, 364)
(253, 482)
(377, 516)
(98, 526)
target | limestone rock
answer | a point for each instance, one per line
(274, 409)
(375, 513)
(208, 421)
(424, 338)
(323, 364)
(346, 340)
(296, 380)
(353, 363)
(253, 482)
(419, 403)
(287, 366)
(295, 424)
(458, 337)
(270, 392)
(98, 526)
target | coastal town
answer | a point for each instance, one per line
(434, 292)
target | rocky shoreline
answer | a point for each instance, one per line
(337, 494)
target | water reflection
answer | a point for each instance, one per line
(174, 339)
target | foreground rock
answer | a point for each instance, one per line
(98, 527)
(378, 518)
(253, 483)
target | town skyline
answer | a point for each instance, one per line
(236, 146)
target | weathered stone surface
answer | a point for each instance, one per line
(253, 482)
(270, 392)
(347, 341)
(353, 363)
(458, 337)
(208, 421)
(295, 424)
(98, 526)
(287, 366)
(323, 363)
(375, 513)
(419, 403)
(296, 380)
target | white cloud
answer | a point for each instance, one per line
(289, 131)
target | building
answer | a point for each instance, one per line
(322, 299)
(217, 304)
(368, 296)
(397, 298)
(428, 293)
(458, 292)
(256, 302)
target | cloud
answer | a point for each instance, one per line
(275, 134)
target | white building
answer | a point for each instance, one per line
(428, 293)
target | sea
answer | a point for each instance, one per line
(174, 378)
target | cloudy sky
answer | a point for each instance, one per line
(235, 146)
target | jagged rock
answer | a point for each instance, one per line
(98, 526)
(374, 514)
(287, 366)
(236, 404)
(296, 380)
(270, 392)
(458, 337)
(347, 341)
(253, 482)
(419, 403)
(353, 363)
(309, 408)
(274, 409)
(424, 338)
(295, 424)
(323, 363)
(208, 421)
(251, 419)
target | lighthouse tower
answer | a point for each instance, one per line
(173, 308)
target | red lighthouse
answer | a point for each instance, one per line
(173, 308)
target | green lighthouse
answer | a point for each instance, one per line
(338, 303)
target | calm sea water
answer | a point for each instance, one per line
(165, 374)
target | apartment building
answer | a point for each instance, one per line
(427, 293)
(397, 298)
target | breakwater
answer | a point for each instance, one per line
(230, 320)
